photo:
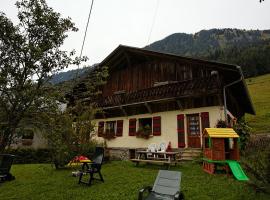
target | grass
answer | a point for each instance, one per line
(259, 88)
(122, 181)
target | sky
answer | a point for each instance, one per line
(140, 22)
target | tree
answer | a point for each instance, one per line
(29, 54)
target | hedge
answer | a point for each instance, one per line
(27, 156)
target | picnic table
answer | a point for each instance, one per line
(157, 157)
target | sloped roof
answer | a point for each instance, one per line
(123, 55)
(220, 133)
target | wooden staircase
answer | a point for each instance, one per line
(189, 154)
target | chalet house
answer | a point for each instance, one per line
(153, 97)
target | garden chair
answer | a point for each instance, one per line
(94, 167)
(162, 148)
(166, 186)
(151, 148)
(6, 161)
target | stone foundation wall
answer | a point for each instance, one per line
(128, 153)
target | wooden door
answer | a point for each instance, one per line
(193, 131)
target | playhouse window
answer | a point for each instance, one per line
(231, 143)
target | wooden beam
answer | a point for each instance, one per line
(148, 107)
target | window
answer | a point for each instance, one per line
(110, 127)
(145, 128)
(193, 124)
(145, 123)
(28, 134)
(27, 137)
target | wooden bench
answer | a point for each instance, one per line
(164, 162)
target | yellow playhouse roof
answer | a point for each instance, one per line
(220, 133)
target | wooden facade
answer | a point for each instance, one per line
(143, 81)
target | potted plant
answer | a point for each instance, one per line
(144, 131)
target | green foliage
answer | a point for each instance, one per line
(256, 159)
(122, 181)
(29, 155)
(30, 54)
(221, 124)
(243, 130)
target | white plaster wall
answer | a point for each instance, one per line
(168, 127)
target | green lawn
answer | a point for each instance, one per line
(122, 181)
(259, 88)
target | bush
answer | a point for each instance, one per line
(256, 160)
(221, 124)
(243, 130)
(28, 156)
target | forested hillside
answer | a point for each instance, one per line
(249, 49)
(69, 75)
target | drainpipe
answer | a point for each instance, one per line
(224, 92)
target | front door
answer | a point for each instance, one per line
(193, 131)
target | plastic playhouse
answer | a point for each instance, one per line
(221, 152)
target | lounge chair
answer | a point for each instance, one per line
(6, 161)
(94, 167)
(166, 186)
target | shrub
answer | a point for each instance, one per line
(256, 160)
(243, 130)
(221, 124)
(28, 156)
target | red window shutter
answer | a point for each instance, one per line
(205, 120)
(157, 126)
(132, 127)
(181, 130)
(119, 128)
(100, 129)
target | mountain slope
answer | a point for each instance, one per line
(260, 94)
(202, 43)
(249, 49)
